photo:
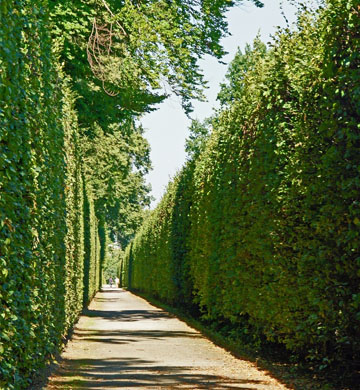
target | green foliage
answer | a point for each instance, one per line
(111, 141)
(119, 193)
(74, 240)
(41, 208)
(32, 204)
(238, 69)
(199, 133)
(133, 47)
(134, 51)
(261, 229)
(111, 266)
(92, 271)
(161, 244)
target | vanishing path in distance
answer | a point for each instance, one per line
(124, 342)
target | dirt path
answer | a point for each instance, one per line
(124, 342)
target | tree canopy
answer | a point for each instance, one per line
(124, 58)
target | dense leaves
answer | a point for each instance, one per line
(32, 212)
(199, 133)
(261, 230)
(41, 208)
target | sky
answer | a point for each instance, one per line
(167, 128)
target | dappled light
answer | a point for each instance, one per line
(113, 347)
(130, 373)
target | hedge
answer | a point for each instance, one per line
(41, 198)
(262, 229)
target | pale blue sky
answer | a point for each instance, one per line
(167, 128)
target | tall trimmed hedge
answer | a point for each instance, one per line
(92, 270)
(32, 212)
(74, 240)
(262, 230)
(41, 197)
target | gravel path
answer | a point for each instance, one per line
(124, 342)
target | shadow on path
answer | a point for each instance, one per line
(128, 336)
(130, 373)
(126, 315)
(137, 349)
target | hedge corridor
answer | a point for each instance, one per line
(75, 77)
(261, 230)
(49, 240)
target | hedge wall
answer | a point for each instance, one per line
(92, 247)
(262, 230)
(31, 211)
(74, 240)
(41, 208)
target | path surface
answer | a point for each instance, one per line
(124, 342)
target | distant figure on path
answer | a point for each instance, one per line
(111, 281)
(117, 281)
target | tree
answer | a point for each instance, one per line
(199, 133)
(122, 57)
(242, 63)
